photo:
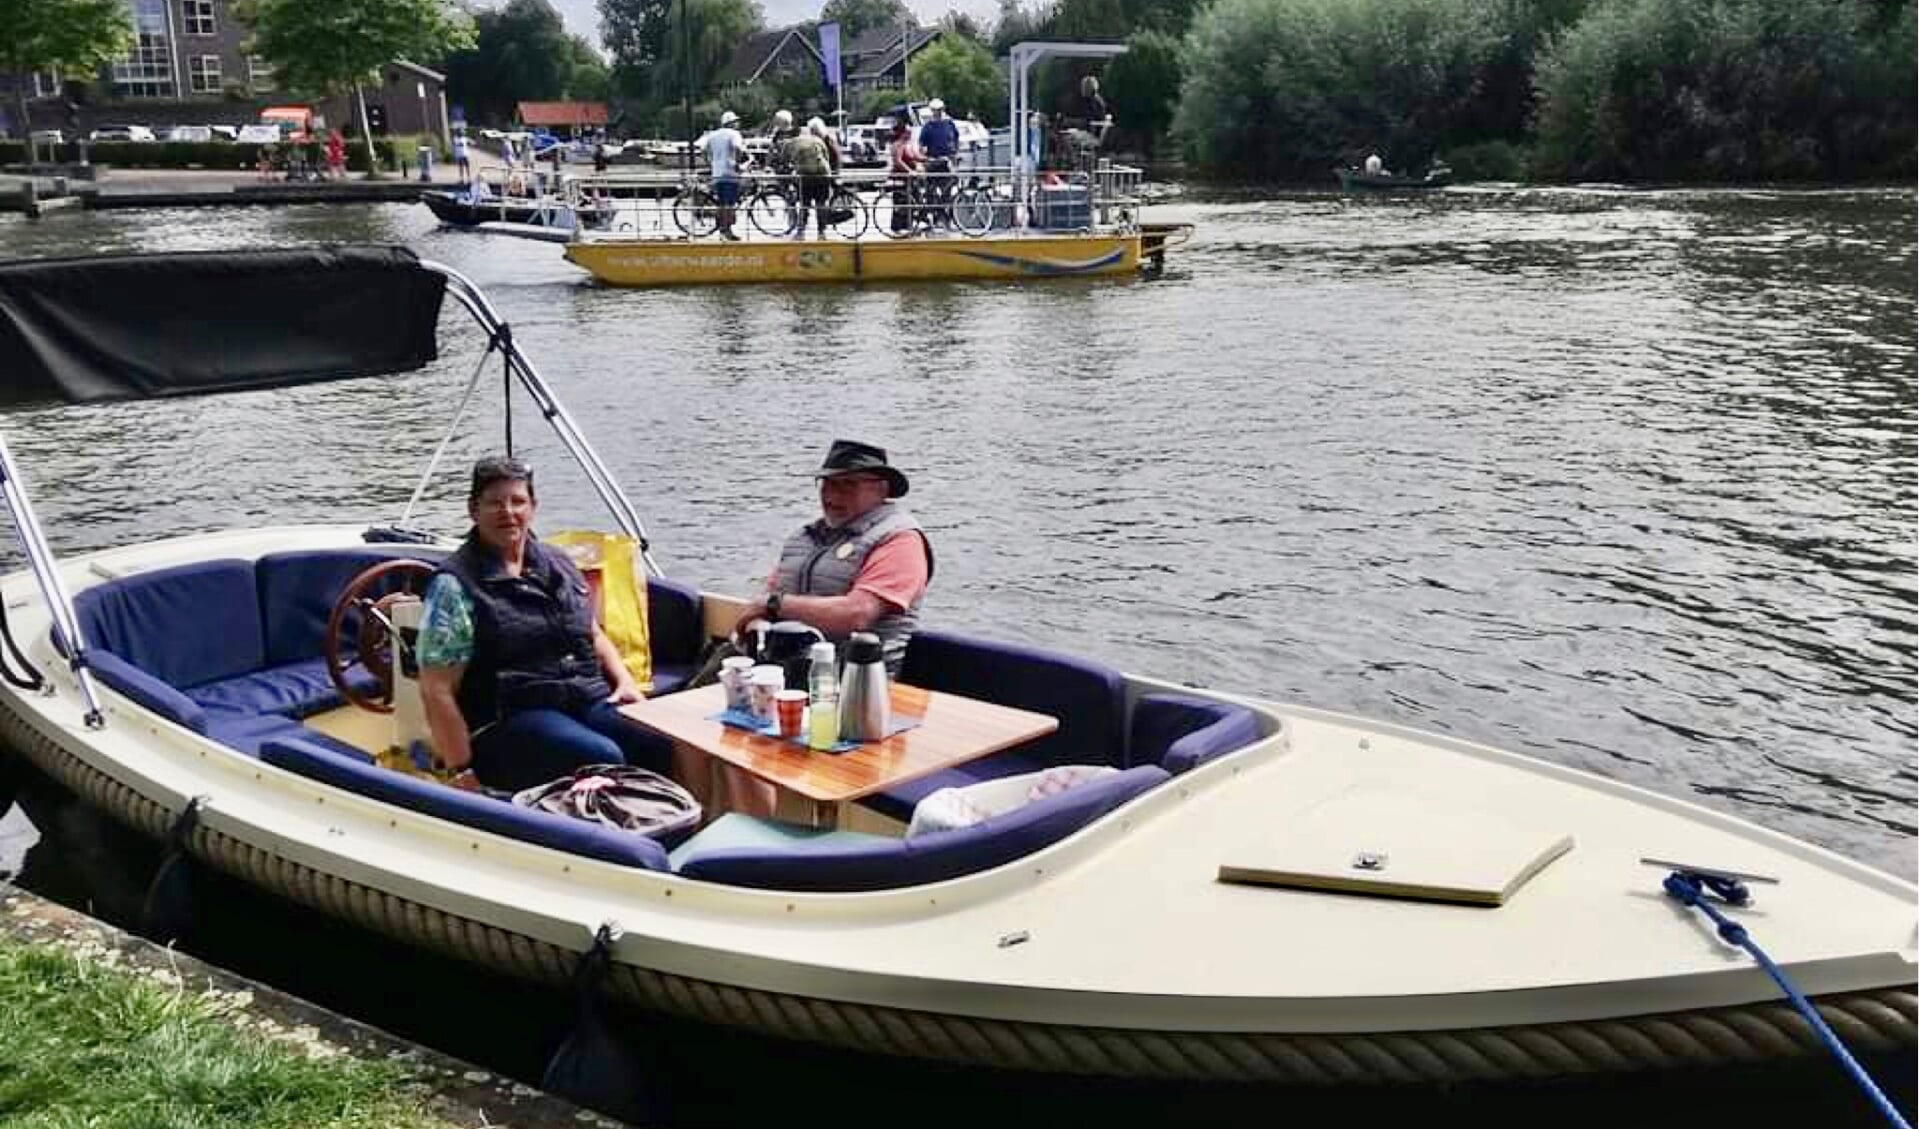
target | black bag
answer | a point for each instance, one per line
(618, 797)
(835, 216)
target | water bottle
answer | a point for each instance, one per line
(822, 699)
(864, 698)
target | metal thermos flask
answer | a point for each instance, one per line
(864, 696)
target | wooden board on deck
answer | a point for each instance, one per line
(1391, 844)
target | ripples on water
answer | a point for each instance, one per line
(1623, 480)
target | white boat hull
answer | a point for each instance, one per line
(1135, 958)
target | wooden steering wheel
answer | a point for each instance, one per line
(356, 631)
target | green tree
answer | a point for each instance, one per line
(715, 29)
(73, 36)
(634, 31)
(339, 45)
(587, 77)
(855, 16)
(1289, 87)
(521, 53)
(1142, 86)
(1730, 90)
(961, 72)
(958, 23)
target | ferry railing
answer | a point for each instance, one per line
(969, 200)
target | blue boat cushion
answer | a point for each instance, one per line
(837, 865)
(316, 761)
(676, 630)
(185, 626)
(734, 831)
(671, 677)
(1086, 697)
(1181, 733)
(144, 689)
(297, 689)
(298, 589)
(248, 732)
(899, 802)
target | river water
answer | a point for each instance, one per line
(1624, 480)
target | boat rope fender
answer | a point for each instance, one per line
(168, 907)
(1690, 888)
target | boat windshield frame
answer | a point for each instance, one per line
(518, 368)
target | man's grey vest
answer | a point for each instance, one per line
(820, 560)
(532, 635)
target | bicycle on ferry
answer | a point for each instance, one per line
(776, 211)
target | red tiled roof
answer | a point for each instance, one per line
(563, 113)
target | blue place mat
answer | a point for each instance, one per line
(739, 719)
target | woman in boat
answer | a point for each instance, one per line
(519, 681)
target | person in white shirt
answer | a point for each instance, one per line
(1375, 166)
(725, 151)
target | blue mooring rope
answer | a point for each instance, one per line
(1690, 888)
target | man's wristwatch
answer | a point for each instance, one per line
(773, 607)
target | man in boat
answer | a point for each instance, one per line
(863, 566)
(725, 151)
(1375, 166)
(519, 681)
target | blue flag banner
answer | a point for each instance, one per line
(830, 53)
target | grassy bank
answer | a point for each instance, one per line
(85, 1043)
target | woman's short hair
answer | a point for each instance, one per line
(498, 468)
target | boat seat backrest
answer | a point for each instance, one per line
(316, 761)
(1087, 698)
(298, 589)
(833, 865)
(185, 625)
(675, 627)
(1179, 732)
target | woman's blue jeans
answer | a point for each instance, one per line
(534, 746)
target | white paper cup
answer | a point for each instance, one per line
(767, 681)
(736, 674)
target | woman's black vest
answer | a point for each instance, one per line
(532, 635)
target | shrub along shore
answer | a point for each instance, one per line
(1694, 91)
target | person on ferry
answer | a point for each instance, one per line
(1375, 166)
(834, 154)
(903, 164)
(519, 681)
(806, 154)
(939, 141)
(863, 566)
(725, 152)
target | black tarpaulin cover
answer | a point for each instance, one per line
(126, 327)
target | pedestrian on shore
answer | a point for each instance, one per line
(462, 160)
(335, 155)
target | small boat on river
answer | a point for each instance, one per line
(1359, 180)
(1256, 891)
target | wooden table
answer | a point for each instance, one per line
(811, 787)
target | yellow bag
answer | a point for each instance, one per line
(611, 563)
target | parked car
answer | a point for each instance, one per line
(188, 133)
(123, 133)
(225, 132)
(259, 134)
(861, 145)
